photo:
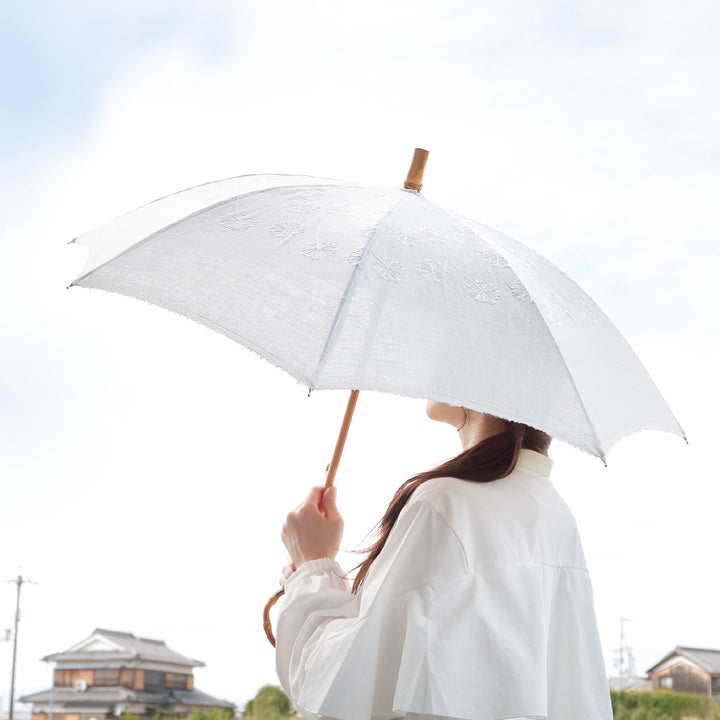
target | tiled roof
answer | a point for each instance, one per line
(95, 696)
(132, 648)
(88, 697)
(706, 658)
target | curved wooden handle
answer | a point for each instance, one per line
(417, 169)
(267, 623)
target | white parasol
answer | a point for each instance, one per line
(365, 288)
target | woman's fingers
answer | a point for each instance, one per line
(314, 496)
(314, 529)
(287, 571)
(328, 506)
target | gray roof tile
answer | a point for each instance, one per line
(135, 648)
(93, 696)
(704, 657)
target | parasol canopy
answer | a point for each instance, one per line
(348, 286)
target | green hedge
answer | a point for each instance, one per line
(662, 705)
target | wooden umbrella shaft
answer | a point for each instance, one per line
(342, 437)
(329, 481)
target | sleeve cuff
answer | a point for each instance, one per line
(322, 566)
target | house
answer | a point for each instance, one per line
(686, 669)
(111, 673)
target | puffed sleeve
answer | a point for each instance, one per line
(344, 656)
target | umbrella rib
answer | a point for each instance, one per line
(349, 288)
(510, 259)
(194, 214)
(591, 425)
(546, 325)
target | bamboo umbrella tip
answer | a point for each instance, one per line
(417, 169)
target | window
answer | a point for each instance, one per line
(176, 681)
(108, 677)
(154, 680)
(666, 682)
(63, 678)
(127, 677)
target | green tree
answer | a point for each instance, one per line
(212, 713)
(270, 703)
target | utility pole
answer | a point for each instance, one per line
(19, 580)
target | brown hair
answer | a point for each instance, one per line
(493, 458)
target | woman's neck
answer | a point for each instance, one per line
(479, 426)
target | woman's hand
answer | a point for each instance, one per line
(314, 529)
(287, 571)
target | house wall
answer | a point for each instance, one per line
(123, 677)
(684, 678)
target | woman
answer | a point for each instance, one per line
(475, 602)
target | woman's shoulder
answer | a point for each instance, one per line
(447, 493)
(431, 489)
(523, 514)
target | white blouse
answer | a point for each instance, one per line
(479, 607)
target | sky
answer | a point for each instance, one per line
(148, 463)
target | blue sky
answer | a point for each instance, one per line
(588, 130)
(60, 59)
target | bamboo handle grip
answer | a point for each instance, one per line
(267, 623)
(417, 169)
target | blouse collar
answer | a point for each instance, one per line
(535, 461)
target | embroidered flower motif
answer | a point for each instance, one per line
(301, 206)
(462, 230)
(431, 270)
(239, 221)
(388, 269)
(494, 258)
(411, 236)
(355, 256)
(339, 211)
(553, 306)
(369, 232)
(519, 291)
(482, 290)
(587, 312)
(286, 229)
(319, 250)
(525, 255)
